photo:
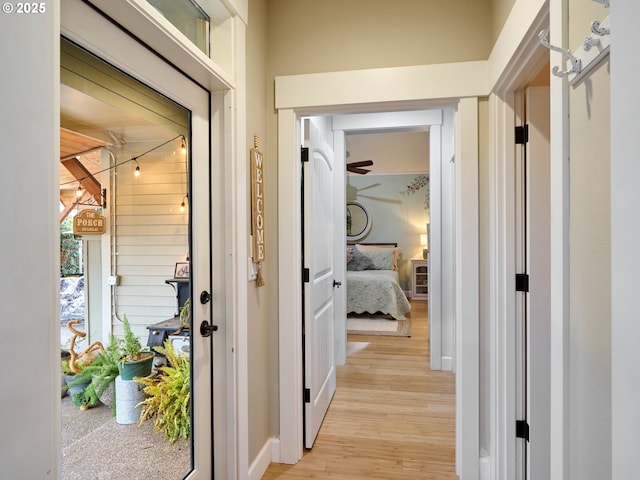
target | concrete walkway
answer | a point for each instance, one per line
(96, 447)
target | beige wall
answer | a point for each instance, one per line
(500, 10)
(332, 35)
(262, 309)
(590, 263)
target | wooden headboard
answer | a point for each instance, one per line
(374, 244)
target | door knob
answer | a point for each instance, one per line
(206, 329)
(205, 297)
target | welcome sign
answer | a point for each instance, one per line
(257, 209)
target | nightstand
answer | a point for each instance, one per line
(419, 279)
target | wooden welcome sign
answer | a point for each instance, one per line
(257, 209)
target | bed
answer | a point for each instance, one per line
(372, 280)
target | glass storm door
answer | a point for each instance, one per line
(152, 170)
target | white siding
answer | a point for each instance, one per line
(149, 233)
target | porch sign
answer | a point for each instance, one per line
(257, 209)
(89, 222)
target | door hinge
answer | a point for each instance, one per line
(522, 134)
(522, 429)
(307, 395)
(304, 154)
(522, 282)
(305, 275)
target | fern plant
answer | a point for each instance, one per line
(168, 400)
(130, 346)
(102, 372)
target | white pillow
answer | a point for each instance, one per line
(382, 248)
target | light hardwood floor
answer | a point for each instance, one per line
(391, 417)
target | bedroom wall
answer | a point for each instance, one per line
(396, 204)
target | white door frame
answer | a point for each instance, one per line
(433, 120)
(527, 61)
(309, 94)
(81, 24)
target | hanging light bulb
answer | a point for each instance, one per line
(183, 149)
(137, 171)
(79, 191)
(183, 205)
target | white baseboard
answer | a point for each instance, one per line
(484, 469)
(447, 364)
(269, 453)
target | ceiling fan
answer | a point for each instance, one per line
(356, 167)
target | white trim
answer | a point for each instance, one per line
(152, 28)
(559, 141)
(291, 418)
(467, 291)
(237, 339)
(502, 297)
(268, 453)
(447, 364)
(517, 66)
(524, 22)
(289, 289)
(376, 86)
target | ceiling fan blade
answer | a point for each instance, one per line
(364, 163)
(361, 171)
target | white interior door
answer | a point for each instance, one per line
(318, 260)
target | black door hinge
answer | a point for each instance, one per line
(304, 154)
(522, 429)
(522, 134)
(305, 275)
(307, 395)
(522, 282)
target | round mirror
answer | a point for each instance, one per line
(358, 220)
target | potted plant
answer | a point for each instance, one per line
(168, 396)
(134, 361)
(185, 312)
(74, 364)
(100, 374)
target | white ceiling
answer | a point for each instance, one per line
(391, 151)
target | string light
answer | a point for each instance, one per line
(132, 159)
(137, 171)
(79, 191)
(183, 149)
(183, 204)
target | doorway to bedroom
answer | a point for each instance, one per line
(389, 155)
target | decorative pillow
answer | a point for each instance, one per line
(349, 254)
(381, 260)
(367, 249)
(359, 261)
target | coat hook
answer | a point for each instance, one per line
(598, 30)
(576, 64)
(590, 42)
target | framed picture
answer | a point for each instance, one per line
(182, 270)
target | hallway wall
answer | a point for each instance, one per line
(590, 262)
